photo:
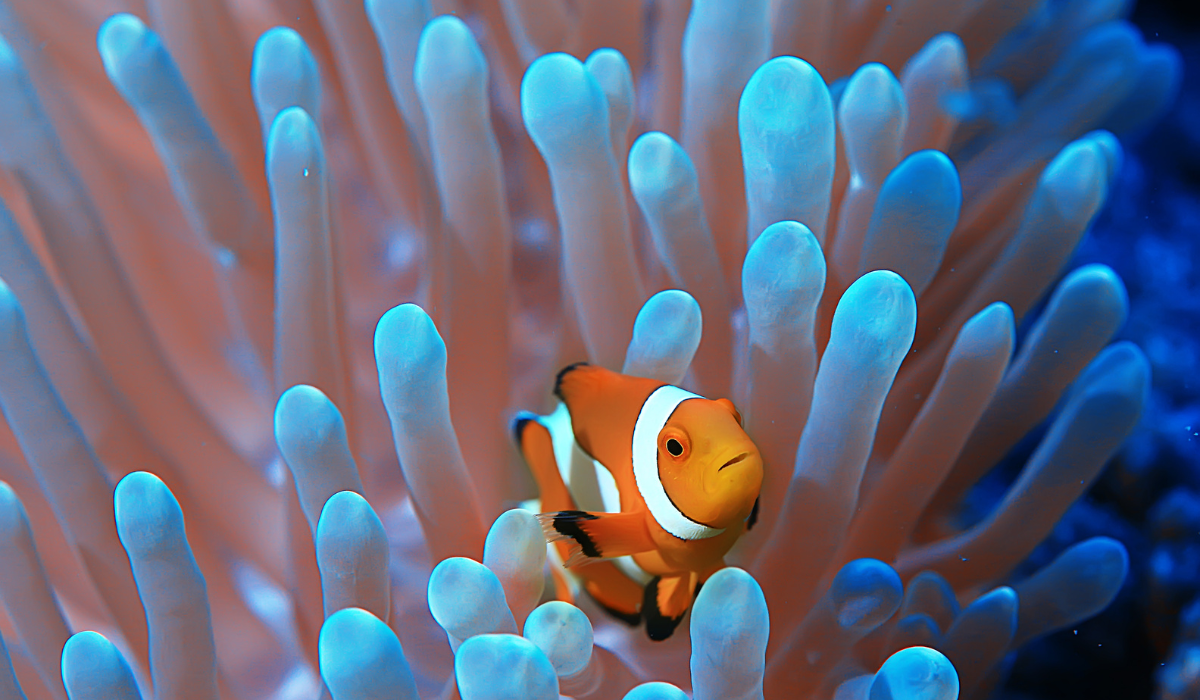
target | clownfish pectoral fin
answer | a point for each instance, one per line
(597, 535)
(666, 600)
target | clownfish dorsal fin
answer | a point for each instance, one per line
(597, 535)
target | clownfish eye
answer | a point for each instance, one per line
(674, 447)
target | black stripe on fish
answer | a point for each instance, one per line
(558, 380)
(658, 626)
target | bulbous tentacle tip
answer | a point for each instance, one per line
(1114, 153)
(84, 645)
(515, 526)
(609, 66)
(284, 73)
(729, 583)
(93, 668)
(449, 59)
(666, 334)
(361, 657)
(1077, 180)
(872, 114)
(561, 102)
(128, 48)
(503, 667)
(613, 75)
(787, 255)
(879, 306)
(294, 142)
(947, 45)
(1122, 372)
(563, 633)
(995, 318)
(281, 43)
(121, 35)
(781, 94)
(659, 167)
(915, 673)
(865, 592)
(656, 690)
(343, 629)
(933, 172)
(147, 514)
(407, 338)
(882, 282)
(1109, 554)
(302, 405)
(994, 612)
(467, 599)
(1097, 292)
(515, 550)
(345, 506)
(1079, 583)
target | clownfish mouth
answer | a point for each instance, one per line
(735, 460)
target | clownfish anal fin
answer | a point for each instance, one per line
(665, 602)
(631, 618)
(597, 535)
(753, 518)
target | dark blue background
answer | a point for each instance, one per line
(1149, 498)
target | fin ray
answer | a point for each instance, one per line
(597, 535)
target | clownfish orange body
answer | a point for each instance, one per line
(682, 485)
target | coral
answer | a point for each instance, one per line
(1179, 677)
(864, 199)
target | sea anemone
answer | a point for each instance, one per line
(864, 198)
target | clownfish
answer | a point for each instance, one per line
(647, 483)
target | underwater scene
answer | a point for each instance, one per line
(599, 349)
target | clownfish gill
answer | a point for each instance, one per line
(617, 469)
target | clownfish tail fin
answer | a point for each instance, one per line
(566, 525)
(558, 380)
